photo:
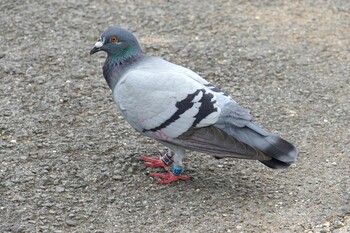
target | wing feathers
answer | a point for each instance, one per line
(196, 110)
(213, 140)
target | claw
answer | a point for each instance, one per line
(168, 178)
(149, 162)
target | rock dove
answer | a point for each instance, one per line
(180, 109)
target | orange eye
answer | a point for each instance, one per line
(113, 39)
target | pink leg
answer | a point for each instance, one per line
(164, 178)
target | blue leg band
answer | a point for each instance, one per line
(176, 170)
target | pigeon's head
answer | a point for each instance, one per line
(117, 42)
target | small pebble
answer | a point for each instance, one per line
(117, 177)
(59, 189)
(70, 222)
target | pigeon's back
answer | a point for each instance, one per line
(157, 95)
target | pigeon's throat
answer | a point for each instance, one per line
(114, 65)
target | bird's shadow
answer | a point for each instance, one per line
(235, 182)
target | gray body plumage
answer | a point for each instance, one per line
(177, 107)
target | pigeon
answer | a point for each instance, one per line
(182, 110)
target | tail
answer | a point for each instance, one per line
(281, 152)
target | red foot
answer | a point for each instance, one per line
(168, 178)
(149, 162)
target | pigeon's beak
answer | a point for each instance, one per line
(94, 50)
(97, 47)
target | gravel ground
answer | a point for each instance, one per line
(69, 162)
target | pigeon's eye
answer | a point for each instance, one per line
(113, 39)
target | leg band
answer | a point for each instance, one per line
(176, 170)
(167, 160)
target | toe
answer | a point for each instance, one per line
(168, 178)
